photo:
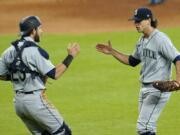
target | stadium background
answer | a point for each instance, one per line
(76, 16)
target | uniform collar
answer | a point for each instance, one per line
(30, 39)
(153, 33)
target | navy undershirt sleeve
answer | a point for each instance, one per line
(176, 59)
(52, 73)
(133, 61)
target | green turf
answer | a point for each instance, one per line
(97, 95)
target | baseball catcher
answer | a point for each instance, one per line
(167, 86)
(28, 66)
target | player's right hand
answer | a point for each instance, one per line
(106, 49)
(73, 49)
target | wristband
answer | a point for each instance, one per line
(67, 61)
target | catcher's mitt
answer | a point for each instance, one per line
(166, 86)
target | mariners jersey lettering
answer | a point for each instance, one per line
(156, 54)
(149, 53)
(33, 59)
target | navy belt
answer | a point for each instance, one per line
(27, 92)
(147, 84)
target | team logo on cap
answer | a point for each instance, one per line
(135, 12)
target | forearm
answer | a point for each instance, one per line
(60, 69)
(120, 57)
(178, 71)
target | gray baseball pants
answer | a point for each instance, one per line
(151, 104)
(37, 113)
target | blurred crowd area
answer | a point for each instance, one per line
(78, 16)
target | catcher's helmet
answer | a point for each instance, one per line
(29, 23)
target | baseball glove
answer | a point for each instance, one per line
(166, 86)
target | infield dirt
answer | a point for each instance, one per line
(84, 16)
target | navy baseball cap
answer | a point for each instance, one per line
(141, 14)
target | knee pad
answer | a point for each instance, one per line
(148, 133)
(64, 130)
(67, 129)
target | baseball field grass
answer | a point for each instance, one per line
(97, 95)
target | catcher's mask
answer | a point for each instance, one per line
(29, 23)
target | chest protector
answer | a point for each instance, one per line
(18, 66)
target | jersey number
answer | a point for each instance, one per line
(18, 76)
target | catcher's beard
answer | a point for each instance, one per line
(37, 37)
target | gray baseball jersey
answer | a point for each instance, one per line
(34, 60)
(31, 104)
(156, 54)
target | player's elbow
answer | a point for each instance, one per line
(56, 78)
